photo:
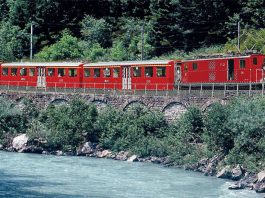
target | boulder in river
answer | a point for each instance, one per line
(133, 158)
(19, 143)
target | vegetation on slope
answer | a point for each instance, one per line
(237, 130)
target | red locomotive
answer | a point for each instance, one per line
(135, 75)
(230, 69)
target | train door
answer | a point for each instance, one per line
(231, 70)
(126, 78)
(41, 79)
(177, 72)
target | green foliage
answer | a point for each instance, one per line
(11, 120)
(66, 48)
(252, 40)
(118, 51)
(191, 125)
(11, 39)
(218, 135)
(94, 52)
(70, 125)
(96, 31)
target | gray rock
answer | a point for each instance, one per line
(225, 173)
(85, 149)
(237, 173)
(236, 186)
(122, 155)
(59, 153)
(105, 153)
(259, 187)
(261, 176)
(20, 142)
(133, 158)
(1, 147)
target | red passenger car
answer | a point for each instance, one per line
(231, 69)
(42, 74)
(130, 75)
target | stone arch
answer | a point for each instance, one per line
(100, 104)
(174, 110)
(59, 101)
(133, 104)
(209, 103)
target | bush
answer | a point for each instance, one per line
(70, 124)
(217, 134)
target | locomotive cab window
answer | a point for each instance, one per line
(161, 71)
(14, 71)
(116, 72)
(72, 72)
(255, 61)
(106, 72)
(242, 64)
(137, 72)
(96, 73)
(31, 71)
(87, 72)
(61, 72)
(194, 66)
(4, 71)
(148, 72)
(51, 71)
(23, 72)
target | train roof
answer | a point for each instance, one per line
(44, 64)
(220, 57)
(128, 63)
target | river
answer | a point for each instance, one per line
(32, 175)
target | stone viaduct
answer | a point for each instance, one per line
(171, 106)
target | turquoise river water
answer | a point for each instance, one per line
(31, 175)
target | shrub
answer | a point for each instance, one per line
(217, 134)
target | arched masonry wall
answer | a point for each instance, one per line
(172, 106)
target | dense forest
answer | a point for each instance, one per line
(120, 29)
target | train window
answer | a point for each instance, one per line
(61, 72)
(51, 71)
(14, 71)
(255, 61)
(96, 73)
(4, 71)
(185, 67)
(31, 71)
(106, 72)
(161, 71)
(87, 72)
(242, 64)
(23, 72)
(148, 72)
(137, 71)
(72, 72)
(194, 66)
(116, 72)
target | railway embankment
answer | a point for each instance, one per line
(226, 140)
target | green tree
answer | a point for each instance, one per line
(11, 40)
(96, 31)
(66, 48)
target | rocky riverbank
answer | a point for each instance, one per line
(208, 166)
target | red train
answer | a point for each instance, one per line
(135, 75)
